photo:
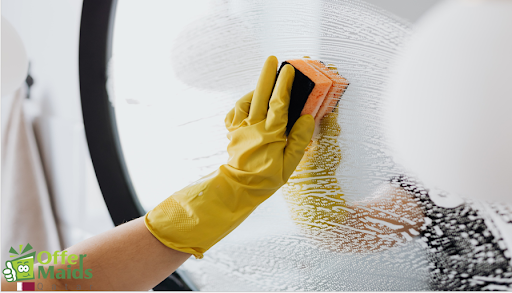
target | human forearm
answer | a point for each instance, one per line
(127, 257)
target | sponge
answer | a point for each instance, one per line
(339, 85)
(322, 86)
(315, 90)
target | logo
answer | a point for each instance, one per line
(22, 267)
(56, 265)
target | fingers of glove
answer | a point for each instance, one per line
(240, 112)
(259, 106)
(277, 117)
(298, 140)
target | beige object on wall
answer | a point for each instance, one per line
(27, 215)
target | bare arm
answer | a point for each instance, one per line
(127, 257)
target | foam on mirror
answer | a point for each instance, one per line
(349, 218)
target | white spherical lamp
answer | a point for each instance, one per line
(450, 111)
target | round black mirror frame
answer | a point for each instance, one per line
(95, 50)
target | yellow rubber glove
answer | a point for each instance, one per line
(261, 159)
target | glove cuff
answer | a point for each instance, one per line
(195, 218)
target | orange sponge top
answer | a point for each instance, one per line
(339, 84)
(319, 92)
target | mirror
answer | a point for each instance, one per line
(349, 218)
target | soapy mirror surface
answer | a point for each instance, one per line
(349, 218)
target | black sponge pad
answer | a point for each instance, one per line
(301, 88)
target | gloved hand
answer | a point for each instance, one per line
(261, 159)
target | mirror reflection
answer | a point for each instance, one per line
(349, 218)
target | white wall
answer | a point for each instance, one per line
(50, 32)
